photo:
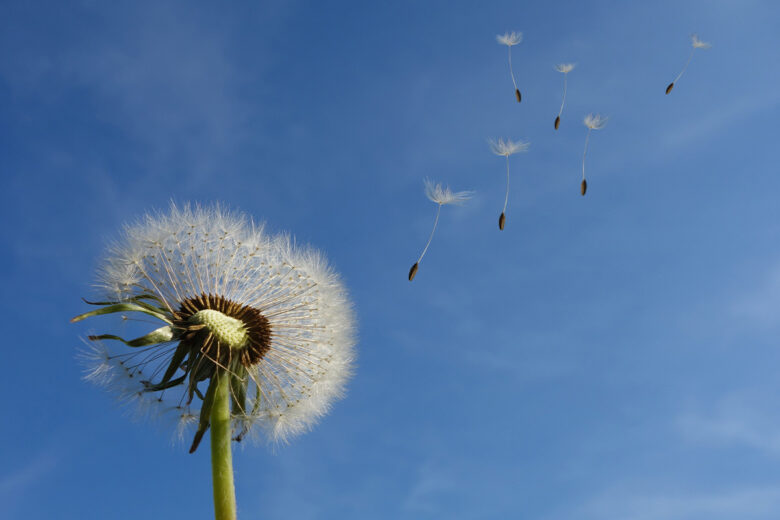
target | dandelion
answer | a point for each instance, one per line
(593, 122)
(507, 148)
(563, 68)
(441, 196)
(510, 40)
(696, 43)
(256, 332)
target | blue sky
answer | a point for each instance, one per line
(606, 357)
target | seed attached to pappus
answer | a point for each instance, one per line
(441, 196)
(696, 43)
(505, 148)
(563, 68)
(510, 40)
(593, 122)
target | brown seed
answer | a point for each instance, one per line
(557, 122)
(501, 221)
(670, 87)
(517, 95)
(412, 272)
(583, 187)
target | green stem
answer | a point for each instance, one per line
(221, 455)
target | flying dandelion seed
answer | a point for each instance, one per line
(505, 149)
(593, 122)
(696, 43)
(441, 196)
(257, 333)
(510, 40)
(563, 68)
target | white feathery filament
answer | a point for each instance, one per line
(565, 76)
(688, 62)
(584, 152)
(511, 73)
(506, 196)
(435, 223)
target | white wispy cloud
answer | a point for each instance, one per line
(746, 503)
(15, 483)
(744, 420)
(760, 303)
(432, 485)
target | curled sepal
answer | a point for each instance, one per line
(149, 387)
(135, 299)
(160, 335)
(205, 413)
(177, 361)
(124, 307)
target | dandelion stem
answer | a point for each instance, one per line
(221, 455)
(435, 223)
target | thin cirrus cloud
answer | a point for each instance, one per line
(736, 421)
(745, 503)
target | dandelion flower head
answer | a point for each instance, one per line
(698, 44)
(564, 67)
(510, 39)
(595, 121)
(508, 147)
(444, 195)
(271, 314)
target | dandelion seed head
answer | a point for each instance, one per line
(270, 312)
(444, 195)
(509, 39)
(564, 67)
(698, 44)
(508, 147)
(595, 121)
